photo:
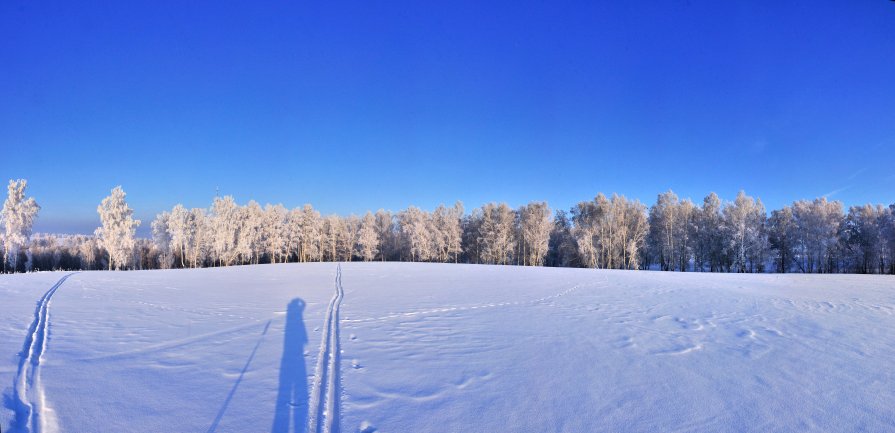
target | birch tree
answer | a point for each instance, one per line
(414, 228)
(496, 233)
(118, 229)
(536, 225)
(162, 239)
(18, 217)
(368, 238)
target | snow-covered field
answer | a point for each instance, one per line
(400, 347)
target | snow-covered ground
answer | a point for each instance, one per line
(398, 347)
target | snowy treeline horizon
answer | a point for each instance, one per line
(673, 234)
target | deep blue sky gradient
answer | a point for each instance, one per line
(371, 104)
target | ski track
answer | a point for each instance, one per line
(323, 414)
(30, 403)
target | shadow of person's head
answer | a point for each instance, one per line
(297, 306)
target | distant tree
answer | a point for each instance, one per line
(349, 242)
(864, 238)
(610, 233)
(118, 229)
(274, 232)
(162, 239)
(368, 238)
(782, 238)
(311, 234)
(385, 230)
(888, 229)
(818, 224)
(250, 235)
(414, 228)
(535, 226)
(744, 223)
(562, 250)
(224, 223)
(472, 241)
(445, 232)
(708, 235)
(669, 223)
(180, 231)
(496, 233)
(18, 217)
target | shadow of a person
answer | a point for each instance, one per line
(292, 396)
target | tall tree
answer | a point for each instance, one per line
(385, 230)
(744, 223)
(535, 226)
(818, 224)
(162, 239)
(782, 238)
(708, 235)
(18, 217)
(496, 233)
(368, 238)
(669, 222)
(274, 232)
(414, 228)
(224, 227)
(118, 229)
(562, 250)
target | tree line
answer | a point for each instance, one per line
(673, 234)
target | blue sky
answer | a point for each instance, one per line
(364, 105)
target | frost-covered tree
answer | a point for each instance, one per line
(368, 238)
(18, 217)
(497, 233)
(562, 250)
(707, 235)
(335, 236)
(453, 232)
(818, 225)
(275, 233)
(181, 231)
(415, 230)
(445, 232)
(669, 222)
(293, 234)
(200, 242)
(385, 229)
(744, 223)
(224, 223)
(161, 237)
(864, 238)
(610, 233)
(250, 239)
(349, 242)
(782, 238)
(629, 238)
(311, 235)
(118, 229)
(535, 227)
(888, 234)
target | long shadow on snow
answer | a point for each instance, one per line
(292, 397)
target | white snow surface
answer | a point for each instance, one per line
(405, 347)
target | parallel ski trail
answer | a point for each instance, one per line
(323, 414)
(30, 416)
